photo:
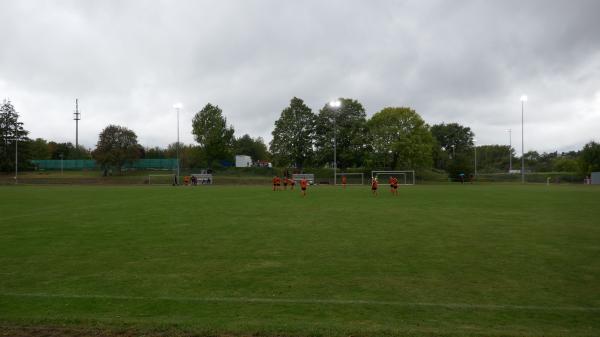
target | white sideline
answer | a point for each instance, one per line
(309, 301)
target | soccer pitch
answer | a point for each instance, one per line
(439, 260)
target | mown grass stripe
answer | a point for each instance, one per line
(306, 301)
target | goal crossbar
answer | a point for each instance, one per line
(407, 175)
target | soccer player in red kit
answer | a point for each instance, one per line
(276, 183)
(303, 186)
(394, 185)
(374, 186)
(344, 181)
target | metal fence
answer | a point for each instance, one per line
(85, 164)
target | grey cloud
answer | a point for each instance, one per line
(463, 61)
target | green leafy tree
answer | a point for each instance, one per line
(117, 145)
(531, 161)
(68, 151)
(60, 149)
(493, 158)
(451, 140)
(400, 139)
(39, 149)
(350, 122)
(565, 164)
(253, 147)
(190, 156)
(293, 135)
(589, 161)
(155, 153)
(11, 132)
(462, 163)
(210, 130)
(82, 153)
(542, 162)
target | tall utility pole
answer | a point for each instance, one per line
(16, 160)
(77, 119)
(16, 139)
(523, 100)
(334, 150)
(177, 107)
(509, 150)
(335, 105)
(475, 148)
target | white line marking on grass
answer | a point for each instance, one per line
(309, 301)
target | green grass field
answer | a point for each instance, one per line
(451, 260)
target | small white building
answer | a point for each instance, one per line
(243, 161)
(595, 178)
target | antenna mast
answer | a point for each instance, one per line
(77, 119)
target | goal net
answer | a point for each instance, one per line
(202, 179)
(351, 178)
(161, 179)
(404, 177)
(310, 177)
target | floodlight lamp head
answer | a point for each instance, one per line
(523, 98)
(335, 104)
(177, 105)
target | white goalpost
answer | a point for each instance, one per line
(406, 177)
(351, 178)
(161, 179)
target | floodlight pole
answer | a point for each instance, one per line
(335, 105)
(16, 161)
(334, 150)
(177, 107)
(475, 147)
(16, 158)
(509, 150)
(523, 99)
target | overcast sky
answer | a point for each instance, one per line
(451, 61)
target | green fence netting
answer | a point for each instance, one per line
(57, 164)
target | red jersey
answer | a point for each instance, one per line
(394, 181)
(374, 183)
(303, 183)
(276, 180)
(344, 180)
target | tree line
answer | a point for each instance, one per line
(393, 138)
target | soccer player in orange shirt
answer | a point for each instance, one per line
(276, 183)
(292, 184)
(374, 186)
(344, 181)
(303, 186)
